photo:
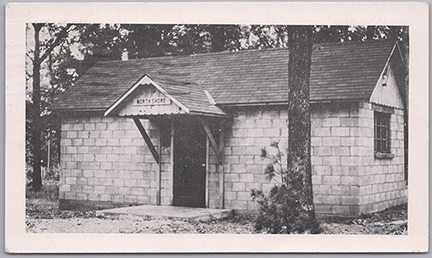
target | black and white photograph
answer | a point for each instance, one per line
(153, 129)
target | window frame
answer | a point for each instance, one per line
(382, 135)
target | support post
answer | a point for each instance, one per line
(172, 161)
(222, 172)
(147, 139)
(207, 173)
(159, 167)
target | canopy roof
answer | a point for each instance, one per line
(188, 98)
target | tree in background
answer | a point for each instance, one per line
(39, 55)
(159, 40)
(98, 42)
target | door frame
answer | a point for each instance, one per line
(207, 162)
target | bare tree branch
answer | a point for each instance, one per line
(31, 58)
(61, 35)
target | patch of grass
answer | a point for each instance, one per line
(45, 201)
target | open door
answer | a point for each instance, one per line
(189, 163)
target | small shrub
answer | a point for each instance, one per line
(283, 210)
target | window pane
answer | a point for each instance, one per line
(378, 136)
(382, 132)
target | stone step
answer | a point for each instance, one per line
(167, 212)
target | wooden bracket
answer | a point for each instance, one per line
(211, 138)
(147, 139)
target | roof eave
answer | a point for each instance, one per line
(286, 102)
(208, 114)
(78, 110)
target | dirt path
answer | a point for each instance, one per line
(160, 226)
(134, 225)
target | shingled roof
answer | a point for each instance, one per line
(339, 72)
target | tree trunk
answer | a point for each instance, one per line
(36, 96)
(370, 32)
(299, 128)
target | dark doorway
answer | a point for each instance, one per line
(189, 163)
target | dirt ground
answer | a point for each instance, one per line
(392, 221)
(43, 216)
(56, 221)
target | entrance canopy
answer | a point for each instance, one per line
(162, 95)
(154, 96)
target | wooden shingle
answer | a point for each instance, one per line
(339, 71)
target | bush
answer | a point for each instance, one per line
(283, 210)
(48, 193)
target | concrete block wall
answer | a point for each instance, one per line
(347, 178)
(105, 162)
(337, 146)
(252, 128)
(383, 180)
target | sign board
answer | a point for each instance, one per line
(143, 101)
(148, 100)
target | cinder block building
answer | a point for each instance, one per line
(187, 130)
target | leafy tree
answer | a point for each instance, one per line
(147, 40)
(99, 42)
(189, 39)
(40, 53)
(224, 37)
(59, 56)
(356, 33)
(266, 36)
(158, 40)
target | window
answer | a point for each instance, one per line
(382, 135)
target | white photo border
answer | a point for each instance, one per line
(414, 15)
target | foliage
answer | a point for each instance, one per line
(282, 211)
(49, 193)
(142, 41)
(47, 40)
